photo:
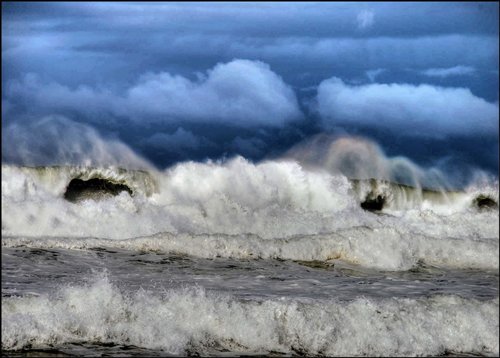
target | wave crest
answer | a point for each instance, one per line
(194, 320)
(275, 201)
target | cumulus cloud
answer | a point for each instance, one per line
(241, 92)
(447, 72)
(424, 110)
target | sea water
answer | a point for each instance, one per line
(242, 258)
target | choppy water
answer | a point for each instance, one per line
(242, 258)
(173, 304)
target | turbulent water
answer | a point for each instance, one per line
(234, 257)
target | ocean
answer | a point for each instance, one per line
(226, 258)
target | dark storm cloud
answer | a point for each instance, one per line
(162, 76)
(251, 147)
(109, 41)
(264, 19)
(180, 141)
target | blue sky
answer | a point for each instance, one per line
(179, 81)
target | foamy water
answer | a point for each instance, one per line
(178, 304)
(198, 320)
(241, 209)
(280, 256)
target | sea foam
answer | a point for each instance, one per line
(192, 319)
(270, 209)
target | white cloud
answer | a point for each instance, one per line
(365, 19)
(447, 72)
(241, 92)
(423, 110)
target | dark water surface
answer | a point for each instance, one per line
(27, 271)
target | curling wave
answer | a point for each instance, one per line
(222, 207)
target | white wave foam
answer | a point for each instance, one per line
(274, 200)
(383, 248)
(235, 197)
(195, 320)
(22, 183)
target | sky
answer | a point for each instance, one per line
(197, 81)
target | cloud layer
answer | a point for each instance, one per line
(163, 77)
(407, 110)
(178, 142)
(447, 72)
(242, 93)
(303, 42)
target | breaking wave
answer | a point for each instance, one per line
(382, 248)
(276, 209)
(180, 321)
